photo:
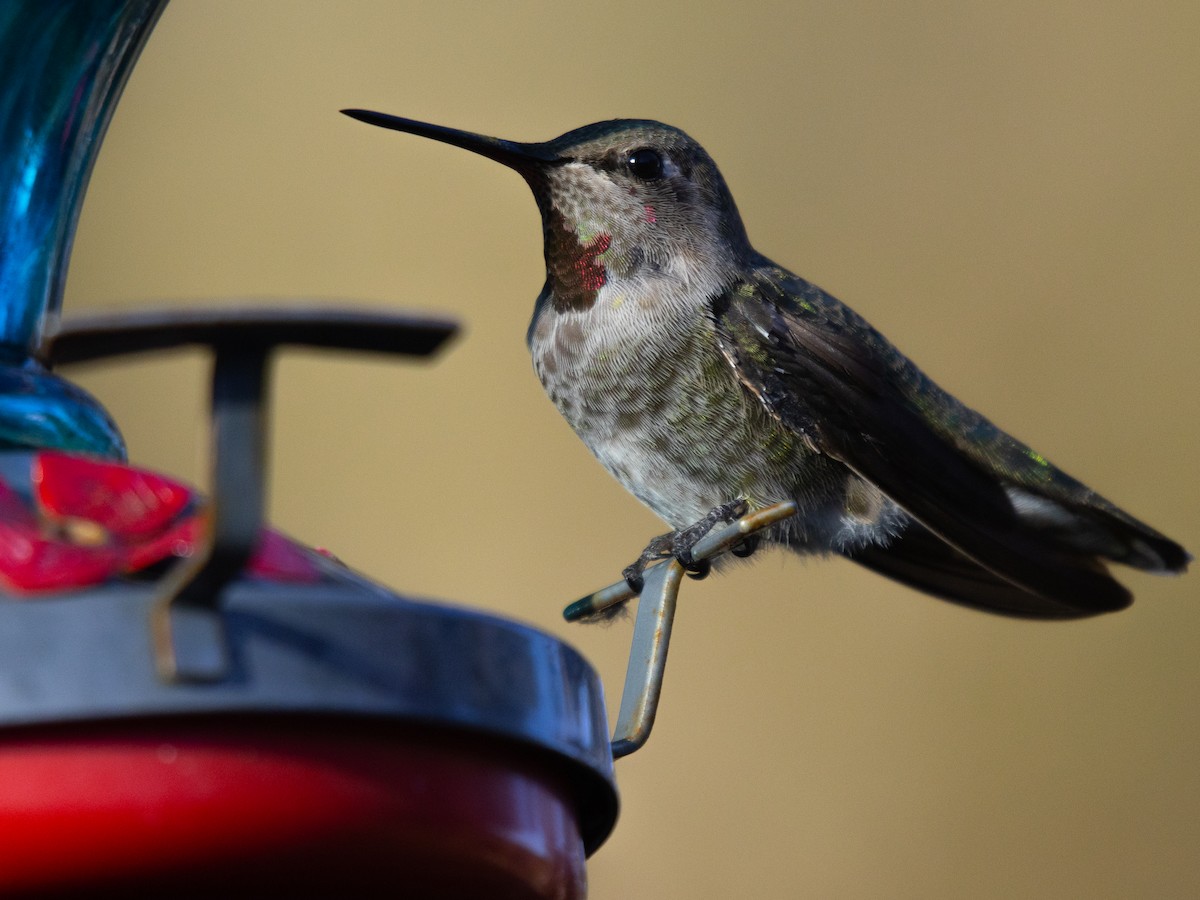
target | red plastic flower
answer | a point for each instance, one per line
(86, 521)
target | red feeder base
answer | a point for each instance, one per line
(282, 807)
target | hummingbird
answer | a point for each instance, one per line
(710, 381)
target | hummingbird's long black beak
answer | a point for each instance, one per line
(515, 155)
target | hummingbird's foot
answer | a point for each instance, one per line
(659, 548)
(679, 544)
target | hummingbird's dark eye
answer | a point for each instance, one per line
(646, 163)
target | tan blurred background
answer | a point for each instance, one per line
(1009, 191)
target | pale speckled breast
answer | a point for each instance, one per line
(662, 410)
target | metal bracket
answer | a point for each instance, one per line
(189, 637)
(186, 621)
(655, 616)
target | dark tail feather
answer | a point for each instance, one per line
(1135, 543)
(920, 559)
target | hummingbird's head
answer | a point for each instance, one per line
(624, 199)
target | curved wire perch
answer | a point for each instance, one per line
(652, 629)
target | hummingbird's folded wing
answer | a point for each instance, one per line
(825, 372)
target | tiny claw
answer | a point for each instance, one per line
(685, 558)
(698, 570)
(633, 577)
(746, 547)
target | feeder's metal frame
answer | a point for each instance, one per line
(190, 644)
